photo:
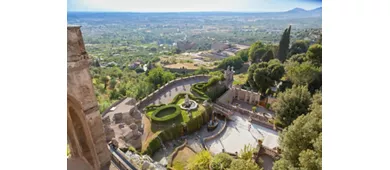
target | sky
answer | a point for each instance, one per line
(191, 5)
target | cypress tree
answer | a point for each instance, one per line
(284, 44)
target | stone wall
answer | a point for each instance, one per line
(80, 87)
(145, 101)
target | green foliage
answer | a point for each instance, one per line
(284, 45)
(158, 76)
(114, 94)
(257, 51)
(212, 81)
(314, 54)
(221, 161)
(240, 164)
(139, 70)
(291, 104)
(262, 76)
(300, 58)
(202, 70)
(200, 161)
(247, 152)
(153, 146)
(174, 111)
(301, 142)
(243, 54)
(234, 61)
(267, 56)
(298, 47)
(302, 74)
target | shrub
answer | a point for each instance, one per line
(153, 146)
(221, 161)
(176, 111)
(240, 164)
(200, 161)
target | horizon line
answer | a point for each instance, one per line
(192, 11)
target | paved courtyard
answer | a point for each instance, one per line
(237, 135)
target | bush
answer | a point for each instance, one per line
(221, 161)
(240, 164)
(234, 61)
(153, 146)
(200, 161)
(176, 112)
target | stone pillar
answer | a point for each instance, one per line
(80, 86)
(244, 95)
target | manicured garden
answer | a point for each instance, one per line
(168, 122)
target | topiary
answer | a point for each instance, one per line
(175, 108)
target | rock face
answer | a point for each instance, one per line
(80, 89)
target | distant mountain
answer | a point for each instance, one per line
(299, 12)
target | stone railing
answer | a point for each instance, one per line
(255, 118)
(145, 101)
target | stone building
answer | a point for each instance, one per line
(85, 131)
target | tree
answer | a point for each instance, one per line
(291, 104)
(243, 54)
(240, 164)
(264, 75)
(221, 161)
(157, 76)
(112, 83)
(105, 80)
(301, 142)
(314, 54)
(234, 61)
(284, 45)
(300, 58)
(302, 74)
(200, 161)
(298, 47)
(267, 56)
(256, 51)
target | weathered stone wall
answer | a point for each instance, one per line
(80, 86)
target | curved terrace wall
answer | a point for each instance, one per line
(145, 101)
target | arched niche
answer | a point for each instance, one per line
(79, 136)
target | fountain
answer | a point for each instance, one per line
(213, 123)
(188, 104)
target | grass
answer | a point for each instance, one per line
(240, 79)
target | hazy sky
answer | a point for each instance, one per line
(191, 5)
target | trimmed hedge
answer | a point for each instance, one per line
(167, 117)
(153, 146)
(151, 107)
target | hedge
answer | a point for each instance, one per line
(167, 117)
(153, 146)
(151, 107)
